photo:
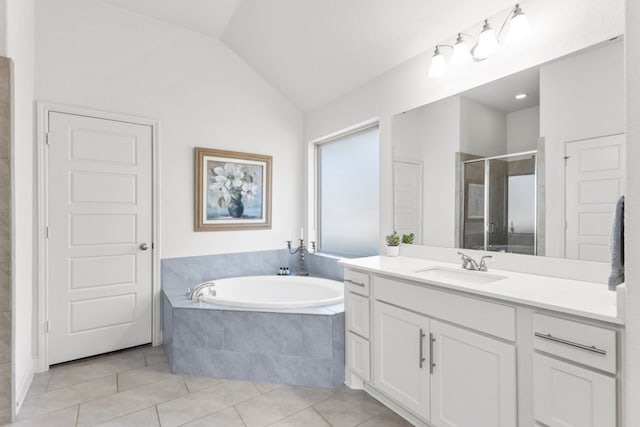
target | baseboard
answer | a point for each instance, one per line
(23, 388)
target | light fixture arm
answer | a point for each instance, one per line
(516, 10)
(461, 35)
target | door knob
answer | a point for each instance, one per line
(144, 246)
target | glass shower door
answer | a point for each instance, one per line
(500, 204)
(474, 206)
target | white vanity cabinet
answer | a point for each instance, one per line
(444, 357)
(443, 372)
(574, 368)
(357, 325)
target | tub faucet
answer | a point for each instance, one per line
(469, 263)
(198, 290)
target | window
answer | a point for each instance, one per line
(348, 194)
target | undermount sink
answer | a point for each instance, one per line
(446, 275)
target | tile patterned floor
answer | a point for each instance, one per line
(136, 388)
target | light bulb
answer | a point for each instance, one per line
(519, 27)
(461, 53)
(438, 65)
(487, 42)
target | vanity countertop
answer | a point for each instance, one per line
(585, 299)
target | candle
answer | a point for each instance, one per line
(301, 233)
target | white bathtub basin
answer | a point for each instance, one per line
(274, 292)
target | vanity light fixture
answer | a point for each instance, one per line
(438, 63)
(461, 53)
(488, 42)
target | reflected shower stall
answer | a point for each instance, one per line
(499, 203)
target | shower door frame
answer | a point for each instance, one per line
(487, 176)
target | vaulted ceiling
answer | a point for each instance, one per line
(315, 50)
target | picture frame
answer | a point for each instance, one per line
(232, 190)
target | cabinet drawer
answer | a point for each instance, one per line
(357, 314)
(357, 282)
(568, 395)
(492, 318)
(579, 342)
(357, 356)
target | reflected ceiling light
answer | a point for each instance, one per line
(488, 42)
(521, 96)
(438, 64)
(461, 53)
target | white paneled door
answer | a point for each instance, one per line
(407, 198)
(99, 197)
(594, 180)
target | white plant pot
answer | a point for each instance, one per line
(393, 250)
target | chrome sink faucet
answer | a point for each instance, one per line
(469, 263)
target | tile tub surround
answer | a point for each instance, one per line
(300, 348)
(185, 272)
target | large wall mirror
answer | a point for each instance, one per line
(532, 163)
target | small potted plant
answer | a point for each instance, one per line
(407, 239)
(393, 244)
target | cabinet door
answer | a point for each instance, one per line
(571, 396)
(357, 314)
(473, 381)
(401, 359)
(357, 356)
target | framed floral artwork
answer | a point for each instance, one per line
(232, 190)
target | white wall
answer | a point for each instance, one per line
(580, 97)
(19, 47)
(523, 130)
(483, 130)
(94, 55)
(632, 224)
(560, 28)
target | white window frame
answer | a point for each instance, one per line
(312, 220)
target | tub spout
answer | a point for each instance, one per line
(199, 289)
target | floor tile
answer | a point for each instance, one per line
(63, 418)
(39, 384)
(279, 404)
(349, 408)
(147, 375)
(386, 419)
(307, 418)
(267, 387)
(226, 393)
(83, 371)
(200, 383)
(226, 418)
(68, 396)
(129, 401)
(147, 417)
(182, 410)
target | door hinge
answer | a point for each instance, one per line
(46, 327)
(46, 138)
(46, 232)
(566, 225)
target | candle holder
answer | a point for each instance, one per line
(301, 249)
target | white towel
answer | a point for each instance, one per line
(617, 246)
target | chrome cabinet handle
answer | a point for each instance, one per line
(432, 364)
(550, 337)
(144, 246)
(421, 357)
(354, 283)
